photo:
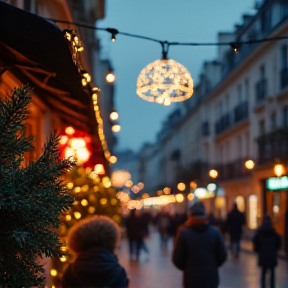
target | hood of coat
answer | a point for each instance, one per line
(199, 224)
(97, 267)
(266, 229)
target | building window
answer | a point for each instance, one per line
(240, 201)
(239, 94)
(261, 127)
(273, 121)
(285, 116)
(253, 211)
(227, 103)
(246, 93)
(262, 72)
(284, 56)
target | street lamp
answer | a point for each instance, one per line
(181, 186)
(213, 173)
(279, 170)
(249, 164)
(114, 115)
(115, 127)
(110, 76)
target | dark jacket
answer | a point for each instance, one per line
(95, 268)
(135, 228)
(198, 251)
(266, 243)
(235, 221)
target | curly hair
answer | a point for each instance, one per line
(97, 231)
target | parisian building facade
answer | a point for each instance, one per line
(238, 112)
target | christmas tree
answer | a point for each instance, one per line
(32, 196)
(93, 196)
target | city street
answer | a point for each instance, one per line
(156, 269)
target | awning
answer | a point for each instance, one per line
(35, 50)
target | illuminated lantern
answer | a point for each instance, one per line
(115, 128)
(164, 81)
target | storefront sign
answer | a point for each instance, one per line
(277, 183)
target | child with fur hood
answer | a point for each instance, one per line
(94, 241)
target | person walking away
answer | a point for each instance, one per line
(163, 227)
(235, 222)
(93, 241)
(135, 234)
(266, 243)
(199, 250)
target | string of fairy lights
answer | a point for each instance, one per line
(162, 81)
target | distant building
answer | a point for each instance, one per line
(239, 111)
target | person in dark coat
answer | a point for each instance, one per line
(235, 222)
(93, 241)
(199, 250)
(135, 234)
(266, 243)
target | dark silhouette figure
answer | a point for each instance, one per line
(164, 223)
(235, 222)
(199, 250)
(135, 234)
(266, 244)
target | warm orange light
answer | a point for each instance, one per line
(249, 164)
(99, 169)
(129, 183)
(77, 215)
(179, 198)
(110, 77)
(190, 196)
(193, 185)
(181, 186)
(116, 128)
(167, 190)
(82, 154)
(279, 170)
(114, 115)
(113, 159)
(213, 173)
(69, 130)
(77, 143)
(63, 140)
(68, 152)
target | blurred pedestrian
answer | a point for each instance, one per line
(235, 222)
(164, 223)
(266, 244)
(199, 250)
(93, 241)
(135, 234)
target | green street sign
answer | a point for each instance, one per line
(277, 183)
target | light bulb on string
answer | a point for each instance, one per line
(164, 81)
(114, 115)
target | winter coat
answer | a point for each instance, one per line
(266, 243)
(95, 268)
(235, 221)
(198, 251)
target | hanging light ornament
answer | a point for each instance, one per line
(164, 81)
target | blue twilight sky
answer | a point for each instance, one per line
(171, 20)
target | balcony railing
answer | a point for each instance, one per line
(261, 90)
(241, 112)
(223, 123)
(272, 146)
(284, 78)
(205, 129)
(231, 170)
